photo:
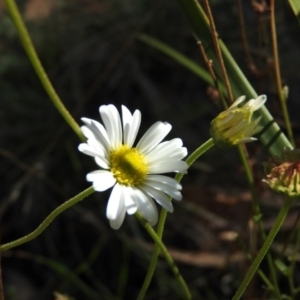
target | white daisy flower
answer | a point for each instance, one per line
(235, 125)
(133, 172)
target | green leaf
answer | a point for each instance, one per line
(295, 4)
(271, 136)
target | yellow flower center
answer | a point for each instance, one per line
(128, 166)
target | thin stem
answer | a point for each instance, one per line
(195, 155)
(293, 265)
(209, 65)
(48, 220)
(167, 256)
(281, 95)
(124, 271)
(217, 48)
(243, 34)
(1, 278)
(257, 216)
(259, 271)
(153, 262)
(162, 219)
(261, 254)
(36, 63)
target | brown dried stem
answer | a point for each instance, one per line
(217, 49)
(281, 96)
(209, 65)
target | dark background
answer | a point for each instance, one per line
(92, 55)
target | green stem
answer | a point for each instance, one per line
(162, 219)
(48, 220)
(293, 264)
(262, 252)
(195, 155)
(33, 57)
(153, 262)
(259, 271)
(167, 256)
(258, 218)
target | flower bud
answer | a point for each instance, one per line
(283, 174)
(235, 125)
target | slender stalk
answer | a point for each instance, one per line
(1, 278)
(48, 220)
(36, 63)
(209, 65)
(124, 271)
(195, 155)
(243, 34)
(167, 256)
(259, 271)
(293, 265)
(153, 262)
(257, 216)
(261, 254)
(162, 219)
(217, 49)
(282, 98)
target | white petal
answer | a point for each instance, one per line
(169, 166)
(238, 101)
(160, 159)
(86, 149)
(255, 104)
(130, 204)
(102, 180)
(158, 196)
(166, 151)
(112, 122)
(87, 132)
(154, 135)
(116, 209)
(98, 147)
(246, 140)
(131, 125)
(259, 102)
(115, 203)
(102, 162)
(165, 179)
(116, 224)
(134, 128)
(98, 132)
(127, 119)
(146, 206)
(172, 192)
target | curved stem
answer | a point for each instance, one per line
(48, 220)
(167, 256)
(33, 57)
(262, 252)
(162, 219)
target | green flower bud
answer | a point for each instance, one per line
(235, 125)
